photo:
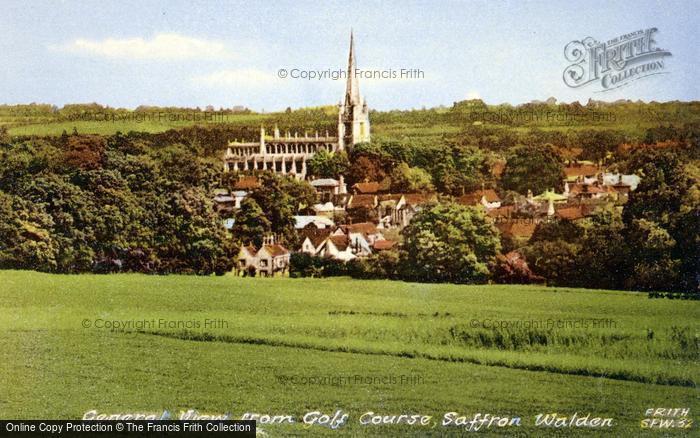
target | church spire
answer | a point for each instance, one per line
(352, 89)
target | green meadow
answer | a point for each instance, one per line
(70, 344)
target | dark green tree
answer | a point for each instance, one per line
(537, 168)
(449, 242)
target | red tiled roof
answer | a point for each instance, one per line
(570, 213)
(358, 201)
(316, 236)
(362, 227)
(276, 250)
(585, 188)
(340, 242)
(246, 183)
(517, 229)
(420, 198)
(367, 187)
(251, 249)
(390, 197)
(505, 211)
(474, 198)
(380, 245)
(580, 170)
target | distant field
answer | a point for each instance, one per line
(508, 350)
(54, 127)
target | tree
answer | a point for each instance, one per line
(553, 260)
(250, 224)
(653, 265)
(405, 179)
(449, 242)
(537, 168)
(666, 202)
(365, 168)
(276, 198)
(597, 144)
(25, 235)
(603, 261)
(512, 268)
(328, 164)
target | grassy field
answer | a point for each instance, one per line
(286, 347)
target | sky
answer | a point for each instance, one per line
(194, 53)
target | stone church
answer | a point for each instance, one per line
(288, 154)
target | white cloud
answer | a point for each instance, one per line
(163, 46)
(239, 78)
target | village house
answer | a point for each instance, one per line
(578, 171)
(340, 247)
(367, 187)
(329, 210)
(327, 188)
(312, 239)
(318, 222)
(486, 197)
(269, 260)
(397, 210)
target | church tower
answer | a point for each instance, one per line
(353, 114)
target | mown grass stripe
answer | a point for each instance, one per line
(625, 375)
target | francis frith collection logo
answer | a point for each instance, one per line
(614, 63)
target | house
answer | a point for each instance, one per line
(367, 187)
(246, 260)
(501, 213)
(577, 171)
(223, 201)
(587, 191)
(312, 239)
(391, 211)
(338, 247)
(397, 210)
(360, 243)
(269, 260)
(369, 230)
(615, 179)
(486, 197)
(383, 245)
(362, 201)
(328, 187)
(301, 222)
(328, 210)
(362, 208)
(522, 229)
(246, 183)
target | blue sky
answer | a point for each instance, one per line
(191, 53)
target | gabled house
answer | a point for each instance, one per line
(486, 197)
(327, 188)
(312, 239)
(337, 247)
(367, 187)
(301, 222)
(577, 171)
(269, 260)
(368, 230)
